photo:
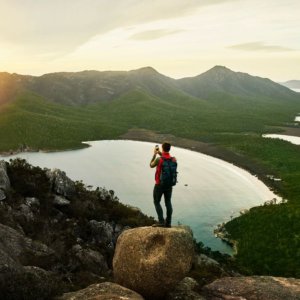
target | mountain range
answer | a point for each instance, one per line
(89, 87)
(59, 110)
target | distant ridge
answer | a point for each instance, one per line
(221, 80)
(292, 84)
(87, 87)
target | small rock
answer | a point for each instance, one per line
(25, 211)
(2, 195)
(32, 201)
(205, 260)
(103, 291)
(60, 201)
(118, 228)
(185, 290)
(76, 248)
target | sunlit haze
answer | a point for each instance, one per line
(178, 38)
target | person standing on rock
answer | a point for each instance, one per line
(165, 179)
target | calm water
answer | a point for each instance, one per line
(209, 190)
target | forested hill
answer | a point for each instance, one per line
(221, 80)
(59, 110)
(93, 86)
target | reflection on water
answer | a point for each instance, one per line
(209, 190)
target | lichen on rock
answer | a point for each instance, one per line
(102, 291)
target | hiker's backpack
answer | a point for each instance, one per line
(168, 175)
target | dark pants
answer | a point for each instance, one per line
(157, 194)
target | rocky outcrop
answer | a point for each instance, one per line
(55, 235)
(253, 288)
(102, 291)
(24, 250)
(102, 232)
(61, 183)
(19, 272)
(153, 260)
(47, 247)
(90, 260)
(4, 180)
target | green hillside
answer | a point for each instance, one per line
(223, 81)
(227, 109)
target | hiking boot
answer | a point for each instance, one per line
(168, 225)
(158, 225)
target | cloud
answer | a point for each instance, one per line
(153, 34)
(260, 46)
(61, 26)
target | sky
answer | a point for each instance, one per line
(179, 38)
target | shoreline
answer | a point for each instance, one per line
(31, 150)
(292, 131)
(206, 148)
(217, 151)
(197, 146)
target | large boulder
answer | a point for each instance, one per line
(7, 264)
(152, 260)
(253, 288)
(30, 283)
(102, 291)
